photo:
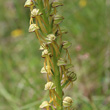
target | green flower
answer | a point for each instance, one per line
(68, 66)
(66, 44)
(58, 19)
(56, 4)
(61, 62)
(71, 76)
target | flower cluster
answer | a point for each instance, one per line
(44, 21)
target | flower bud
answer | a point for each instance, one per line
(58, 19)
(44, 104)
(61, 62)
(50, 38)
(49, 86)
(66, 44)
(28, 3)
(35, 12)
(67, 101)
(56, 4)
(71, 76)
(33, 27)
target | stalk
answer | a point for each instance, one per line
(57, 83)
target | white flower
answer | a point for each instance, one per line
(49, 86)
(28, 3)
(50, 38)
(33, 27)
(35, 12)
(43, 70)
(44, 104)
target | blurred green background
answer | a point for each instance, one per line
(22, 84)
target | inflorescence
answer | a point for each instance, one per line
(44, 21)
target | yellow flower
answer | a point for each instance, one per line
(82, 3)
(16, 33)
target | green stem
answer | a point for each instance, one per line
(41, 7)
(57, 82)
